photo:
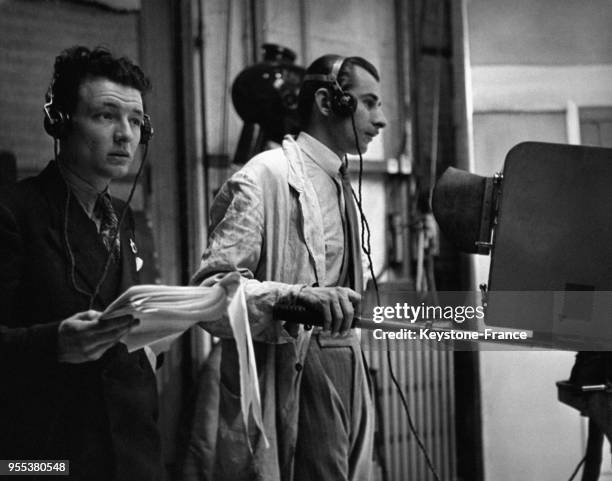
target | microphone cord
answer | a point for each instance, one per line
(367, 248)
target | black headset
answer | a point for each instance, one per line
(57, 122)
(343, 104)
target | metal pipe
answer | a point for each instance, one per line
(226, 79)
(202, 72)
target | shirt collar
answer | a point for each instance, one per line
(86, 193)
(319, 153)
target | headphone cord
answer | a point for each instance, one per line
(66, 237)
(92, 295)
(366, 248)
(577, 468)
(69, 248)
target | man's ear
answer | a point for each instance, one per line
(322, 99)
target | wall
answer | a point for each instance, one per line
(532, 65)
(541, 32)
(32, 36)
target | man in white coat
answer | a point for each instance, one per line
(287, 222)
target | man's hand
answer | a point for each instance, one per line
(83, 338)
(336, 304)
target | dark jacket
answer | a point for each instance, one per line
(101, 416)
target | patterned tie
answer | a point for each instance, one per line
(108, 223)
(353, 229)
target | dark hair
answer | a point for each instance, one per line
(76, 64)
(323, 66)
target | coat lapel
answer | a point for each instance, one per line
(71, 231)
(79, 238)
(312, 225)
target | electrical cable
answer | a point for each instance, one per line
(92, 295)
(366, 248)
(69, 248)
(226, 80)
(577, 468)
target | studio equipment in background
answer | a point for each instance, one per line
(265, 97)
(545, 223)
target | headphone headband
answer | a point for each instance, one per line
(317, 77)
(331, 77)
(335, 71)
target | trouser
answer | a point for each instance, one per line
(336, 418)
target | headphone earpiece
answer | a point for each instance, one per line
(343, 103)
(55, 121)
(146, 130)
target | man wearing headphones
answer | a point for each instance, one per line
(287, 222)
(70, 391)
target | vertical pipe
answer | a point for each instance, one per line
(386, 406)
(401, 420)
(227, 79)
(444, 413)
(437, 440)
(255, 34)
(435, 110)
(304, 44)
(258, 22)
(204, 136)
(418, 412)
(427, 403)
(405, 81)
(413, 404)
(201, 342)
(395, 403)
(436, 431)
(465, 392)
(416, 18)
(452, 449)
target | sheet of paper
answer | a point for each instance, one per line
(165, 312)
(249, 383)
